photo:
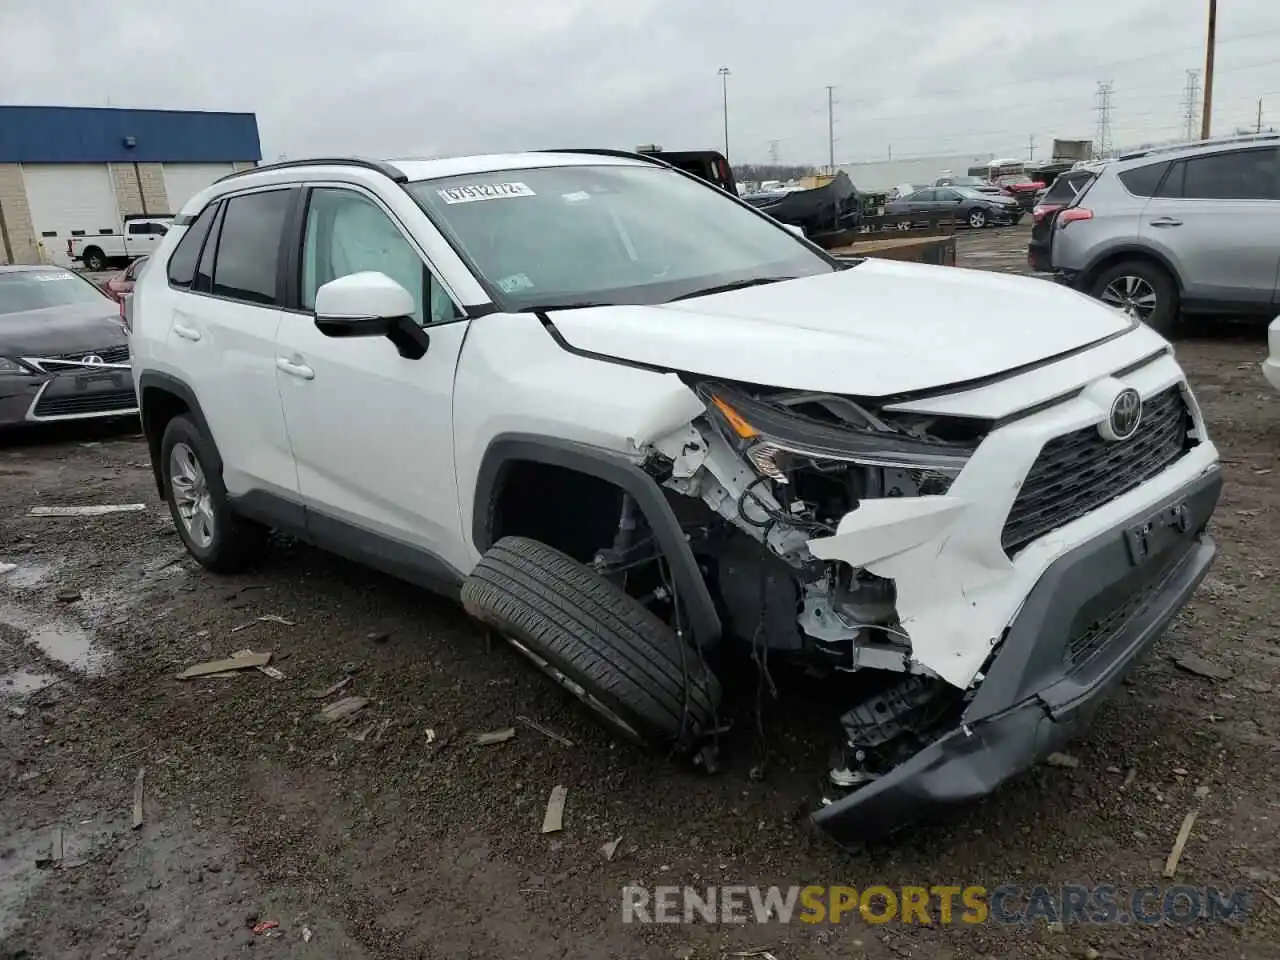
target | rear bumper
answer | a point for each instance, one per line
(1108, 600)
(1271, 366)
(1038, 258)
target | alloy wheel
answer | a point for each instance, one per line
(1134, 295)
(977, 219)
(191, 496)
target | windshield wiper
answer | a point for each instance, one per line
(726, 287)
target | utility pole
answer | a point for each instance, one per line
(831, 131)
(723, 72)
(1207, 114)
(1102, 137)
(1259, 130)
(1190, 101)
(1031, 146)
(773, 151)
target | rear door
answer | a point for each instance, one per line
(1217, 218)
(223, 337)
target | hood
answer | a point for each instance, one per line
(880, 328)
(58, 330)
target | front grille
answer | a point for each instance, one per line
(114, 401)
(118, 354)
(1095, 636)
(1080, 471)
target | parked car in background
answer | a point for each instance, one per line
(1044, 215)
(1271, 366)
(64, 354)
(974, 208)
(973, 183)
(1194, 228)
(142, 233)
(122, 283)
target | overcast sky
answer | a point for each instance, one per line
(398, 77)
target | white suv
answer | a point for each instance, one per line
(637, 425)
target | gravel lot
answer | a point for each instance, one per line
(398, 837)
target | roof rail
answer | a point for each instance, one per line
(606, 152)
(386, 169)
(1192, 144)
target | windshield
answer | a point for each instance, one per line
(973, 194)
(579, 235)
(39, 289)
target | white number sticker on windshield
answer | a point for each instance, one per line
(484, 191)
(515, 283)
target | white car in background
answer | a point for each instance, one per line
(1271, 365)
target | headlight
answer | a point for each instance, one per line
(8, 366)
(776, 439)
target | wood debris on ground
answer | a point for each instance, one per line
(553, 819)
(495, 736)
(548, 733)
(138, 782)
(343, 709)
(273, 672)
(1193, 663)
(611, 847)
(330, 690)
(96, 510)
(230, 666)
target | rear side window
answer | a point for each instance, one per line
(1066, 187)
(1144, 181)
(1234, 175)
(249, 247)
(182, 264)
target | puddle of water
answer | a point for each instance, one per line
(23, 681)
(60, 640)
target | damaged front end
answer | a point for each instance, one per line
(842, 536)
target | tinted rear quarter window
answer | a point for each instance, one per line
(1234, 175)
(1066, 187)
(249, 247)
(1145, 180)
(182, 264)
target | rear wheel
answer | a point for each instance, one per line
(597, 642)
(977, 219)
(94, 259)
(212, 532)
(1143, 291)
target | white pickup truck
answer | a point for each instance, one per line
(142, 234)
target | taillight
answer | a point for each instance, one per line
(1072, 214)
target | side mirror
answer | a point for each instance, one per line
(797, 230)
(370, 304)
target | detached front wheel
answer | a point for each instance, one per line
(597, 642)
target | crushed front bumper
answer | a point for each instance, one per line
(1088, 619)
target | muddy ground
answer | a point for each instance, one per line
(397, 837)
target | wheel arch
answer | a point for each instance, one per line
(1113, 255)
(506, 451)
(161, 397)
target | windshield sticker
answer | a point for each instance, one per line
(577, 196)
(515, 283)
(484, 191)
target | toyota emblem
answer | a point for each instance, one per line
(1124, 416)
(92, 360)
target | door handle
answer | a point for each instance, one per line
(187, 333)
(1166, 222)
(299, 370)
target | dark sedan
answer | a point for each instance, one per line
(64, 354)
(970, 207)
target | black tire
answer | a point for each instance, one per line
(977, 218)
(235, 543)
(553, 608)
(1163, 319)
(94, 260)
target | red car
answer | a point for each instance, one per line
(122, 283)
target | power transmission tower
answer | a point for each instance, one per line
(773, 151)
(1190, 103)
(831, 131)
(1102, 136)
(1031, 146)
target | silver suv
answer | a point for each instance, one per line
(1192, 228)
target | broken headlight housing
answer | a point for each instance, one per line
(787, 435)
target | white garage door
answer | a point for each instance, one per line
(182, 181)
(69, 200)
